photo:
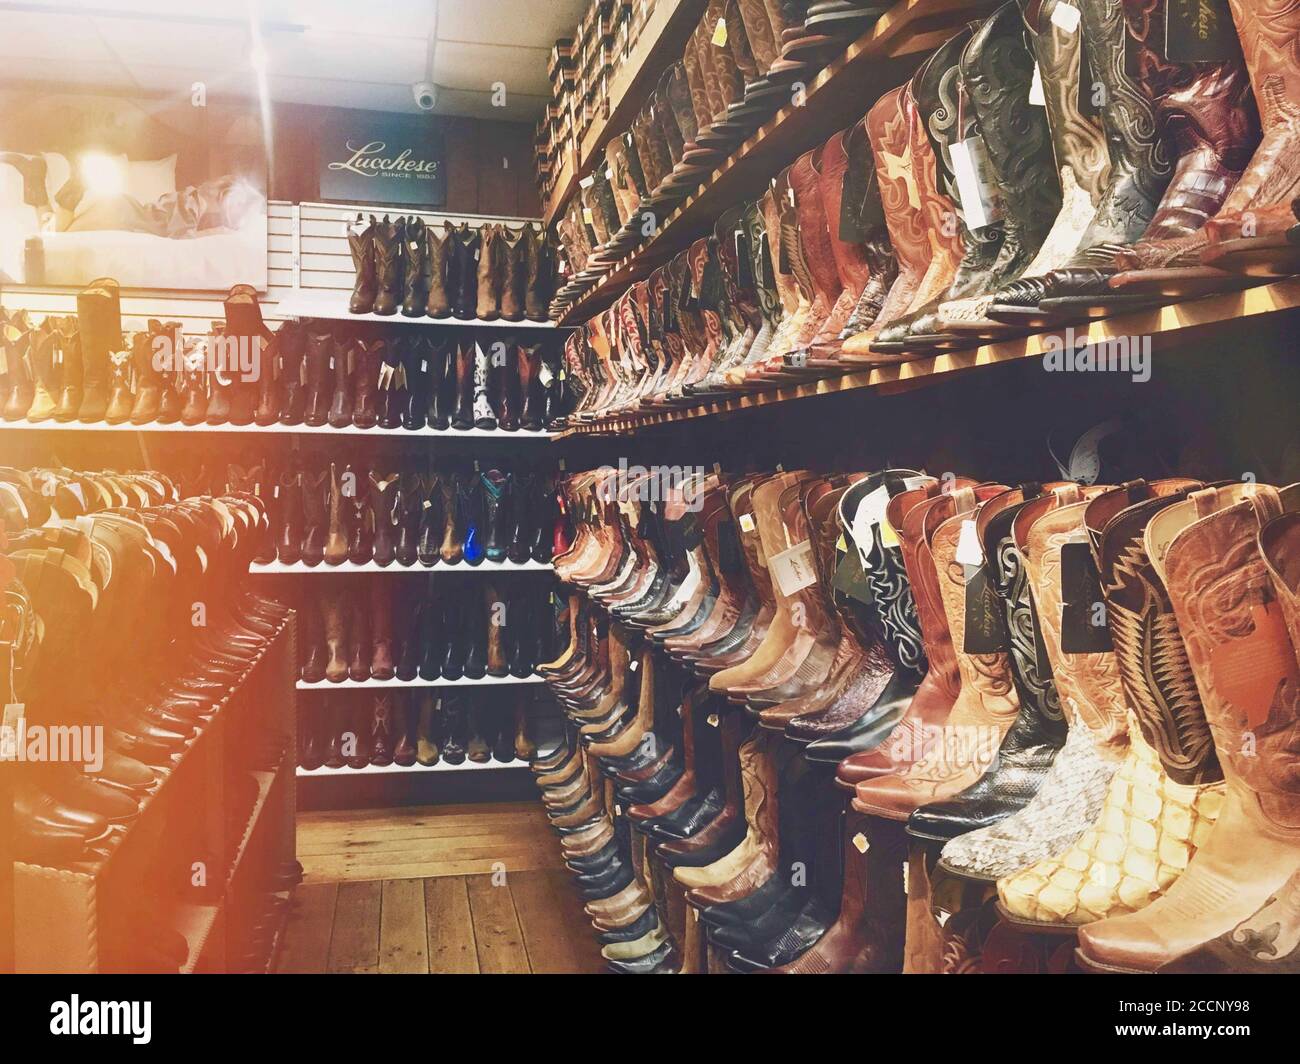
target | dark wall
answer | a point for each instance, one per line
(489, 164)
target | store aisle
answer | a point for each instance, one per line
(413, 890)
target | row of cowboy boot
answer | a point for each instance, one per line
(445, 634)
(406, 729)
(493, 272)
(739, 67)
(1011, 200)
(344, 514)
(321, 376)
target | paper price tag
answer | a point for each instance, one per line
(1036, 88)
(1066, 16)
(793, 568)
(711, 720)
(860, 843)
(747, 522)
(976, 187)
(587, 216)
(720, 33)
(968, 546)
(588, 181)
(632, 665)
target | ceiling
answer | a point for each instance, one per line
(331, 53)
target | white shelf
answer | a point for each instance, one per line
(333, 309)
(298, 567)
(353, 685)
(394, 770)
(291, 430)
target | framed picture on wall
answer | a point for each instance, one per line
(153, 193)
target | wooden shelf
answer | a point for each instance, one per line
(833, 100)
(660, 43)
(395, 770)
(279, 568)
(331, 308)
(1167, 326)
(396, 684)
(288, 430)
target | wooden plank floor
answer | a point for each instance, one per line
(442, 890)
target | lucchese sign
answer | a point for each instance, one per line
(382, 159)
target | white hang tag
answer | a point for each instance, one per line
(860, 843)
(587, 216)
(1066, 16)
(747, 522)
(912, 483)
(588, 181)
(633, 664)
(968, 546)
(1036, 96)
(609, 175)
(871, 511)
(720, 33)
(793, 568)
(976, 187)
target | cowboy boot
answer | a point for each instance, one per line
(443, 366)
(437, 261)
(453, 528)
(362, 245)
(532, 415)
(336, 667)
(16, 339)
(1018, 141)
(466, 253)
(359, 646)
(540, 273)
(291, 341)
(480, 399)
(429, 734)
(388, 240)
(343, 361)
(514, 271)
(489, 274)
(369, 355)
(149, 380)
(99, 324)
(384, 509)
(335, 551)
(416, 355)
(394, 399)
(415, 269)
(318, 356)
(70, 389)
(45, 381)
(1226, 600)
(410, 506)
(465, 365)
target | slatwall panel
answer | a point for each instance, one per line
(324, 265)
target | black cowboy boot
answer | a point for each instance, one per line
(442, 383)
(415, 269)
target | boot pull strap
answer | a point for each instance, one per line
(963, 500)
(1266, 501)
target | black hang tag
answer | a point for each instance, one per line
(850, 580)
(860, 208)
(1083, 612)
(689, 531)
(730, 558)
(1200, 31)
(986, 631)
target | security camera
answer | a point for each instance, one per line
(426, 95)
